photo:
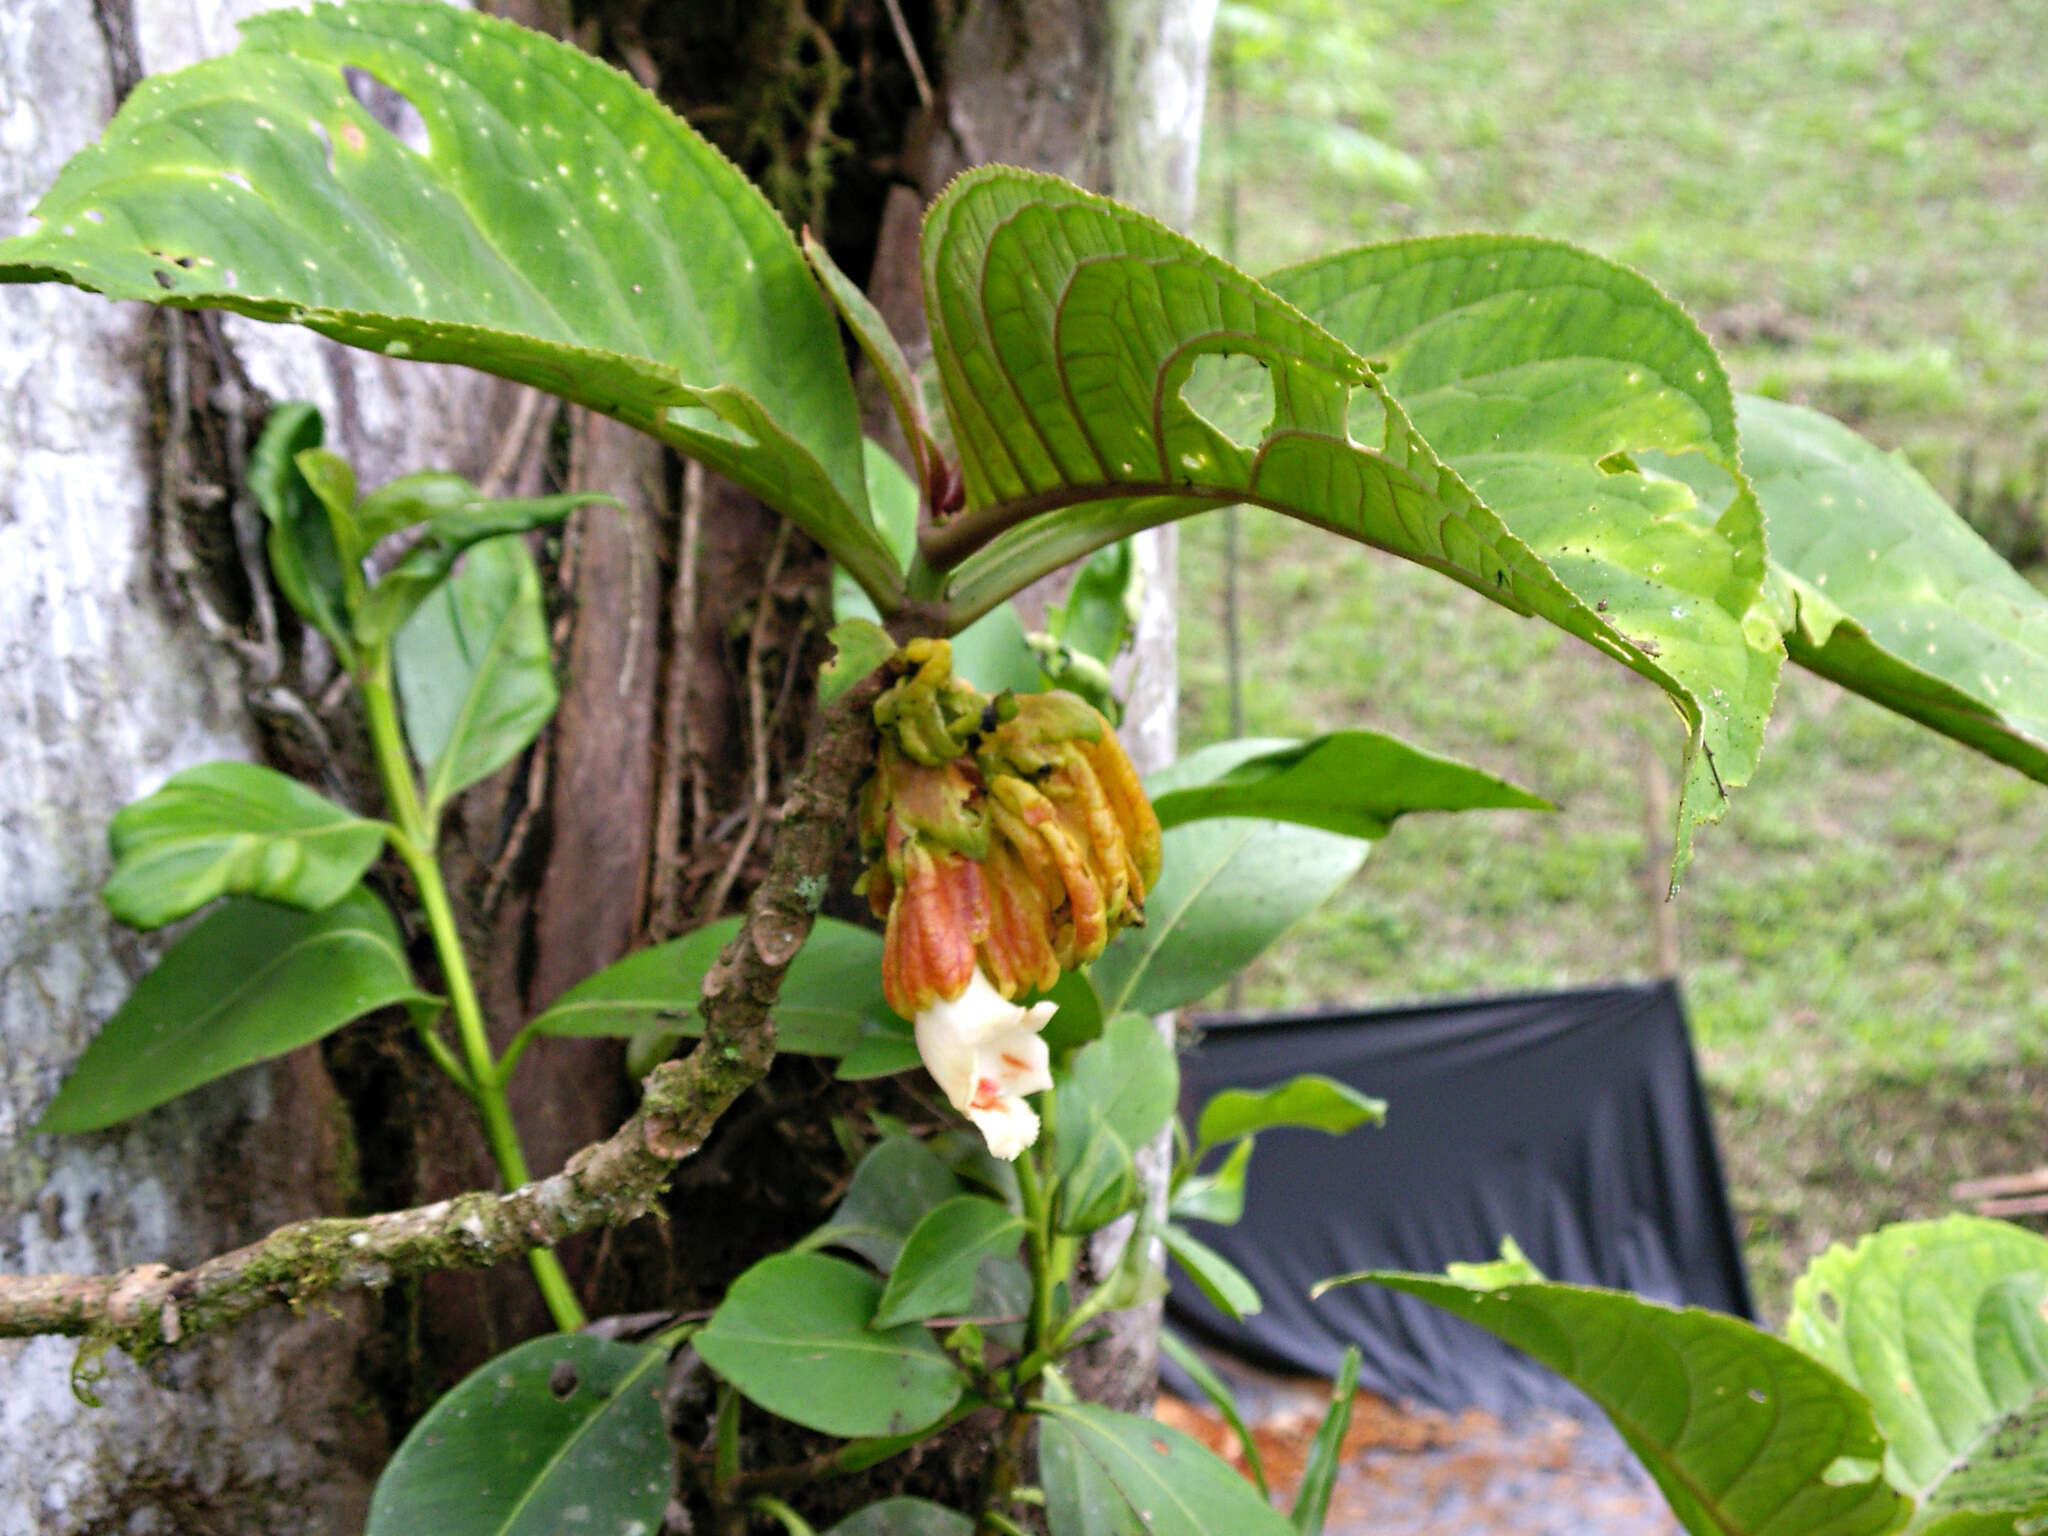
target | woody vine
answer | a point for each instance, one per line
(1523, 417)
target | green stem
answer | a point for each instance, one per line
(486, 1080)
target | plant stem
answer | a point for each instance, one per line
(486, 1081)
(1035, 1196)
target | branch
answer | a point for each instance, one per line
(150, 1306)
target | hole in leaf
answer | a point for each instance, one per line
(1830, 1308)
(392, 109)
(94, 216)
(1849, 1471)
(163, 278)
(1365, 418)
(563, 1380)
(1233, 393)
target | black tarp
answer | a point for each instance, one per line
(1573, 1121)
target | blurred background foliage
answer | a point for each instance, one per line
(1850, 198)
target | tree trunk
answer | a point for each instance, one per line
(140, 637)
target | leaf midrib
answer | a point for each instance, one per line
(646, 1363)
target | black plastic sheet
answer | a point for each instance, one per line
(1573, 1121)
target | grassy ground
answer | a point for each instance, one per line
(1850, 197)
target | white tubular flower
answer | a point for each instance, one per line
(984, 1051)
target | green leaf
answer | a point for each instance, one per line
(450, 530)
(858, 647)
(1893, 595)
(1101, 608)
(250, 981)
(1939, 1324)
(1080, 1500)
(1226, 1286)
(1744, 1433)
(303, 556)
(1109, 373)
(1163, 1482)
(892, 502)
(879, 346)
(475, 670)
(560, 227)
(233, 829)
(895, 1186)
(831, 997)
(993, 653)
(1226, 890)
(1215, 1197)
(562, 1433)
(904, 1517)
(1079, 1017)
(1354, 782)
(1220, 1397)
(1319, 1474)
(1113, 1097)
(934, 1275)
(1311, 1101)
(793, 1336)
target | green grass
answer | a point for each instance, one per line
(1851, 198)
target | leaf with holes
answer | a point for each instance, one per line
(1358, 783)
(476, 674)
(1068, 333)
(552, 223)
(250, 981)
(1940, 1323)
(233, 829)
(794, 1335)
(562, 1433)
(1893, 595)
(1744, 1433)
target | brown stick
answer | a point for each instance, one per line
(150, 1306)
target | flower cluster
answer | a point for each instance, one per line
(1007, 840)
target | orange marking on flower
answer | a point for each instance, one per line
(987, 1093)
(1011, 1061)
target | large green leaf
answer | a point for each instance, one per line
(252, 980)
(1355, 782)
(1068, 333)
(898, 1183)
(1226, 890)
(233, 829)
(1161, 1481)
(1939, 1323)
(793, 1334)
(1893, 595)
(1745, 1434)
(563, 1433)
(1113, 1097)
(476, 673)
(831, 997)
(559, 226)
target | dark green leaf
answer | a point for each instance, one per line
(303, 557)
(831, 998)
(1099, 365)
(475, 671)
(560, 227)
(1319, 1474)
(251, 981)
(1310, 1101)
(1079, 1016)
(1226, 890)
(1217, 1197)
(1101, 607)
(895, 1186)
(333, 484)
(1165, 1483)
(858, 647)
(1354, 782)
(1744, 1433)
(934, 1275)
(233, 829)
(1939, 1323)
(1893, 595)
(1098, 1178)
(793, 1335)
(1220, 1397)
(563, 1433)
(904, 1517)
(1215, 1276)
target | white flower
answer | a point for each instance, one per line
(984, 1051)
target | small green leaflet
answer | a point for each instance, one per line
(233, 829)
(563, 1433)
(934, 1275)
(252, 980)
(475, 670)
(793, 1335)
(1310, 1101)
